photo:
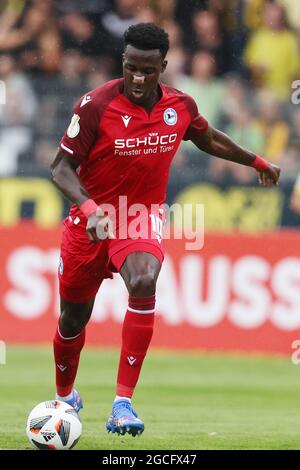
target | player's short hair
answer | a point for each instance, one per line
(147, 36)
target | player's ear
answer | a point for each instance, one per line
(164, 65)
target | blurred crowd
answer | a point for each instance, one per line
(237, 58)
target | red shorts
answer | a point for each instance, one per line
(83, 265)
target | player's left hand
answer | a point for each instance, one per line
(270, 176)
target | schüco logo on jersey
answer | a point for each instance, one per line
(150, 144)
(152, 139)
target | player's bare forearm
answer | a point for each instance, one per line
(65, 178)
(220, 145)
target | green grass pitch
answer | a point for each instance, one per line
(187, 401)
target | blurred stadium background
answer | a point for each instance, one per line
(239, 59)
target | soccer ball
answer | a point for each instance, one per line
(53, 425)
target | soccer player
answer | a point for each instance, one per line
(120, 143)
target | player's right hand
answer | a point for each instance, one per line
(99, 227)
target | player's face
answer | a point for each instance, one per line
(141, 70)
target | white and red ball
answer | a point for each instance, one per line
(53, 425)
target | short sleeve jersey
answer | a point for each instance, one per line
(122, 149)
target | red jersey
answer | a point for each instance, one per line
(125, 151)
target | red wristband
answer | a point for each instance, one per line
(260, 164)
(88, 207)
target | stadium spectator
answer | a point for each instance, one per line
(291, 156)
(53, 109)
(115, 22)
(16, 116)
(245, 132)
(165, 10)
(178, 57)
(207, 90)
(274, 129)
(231, 18)
(97, 76)
(207, 35)
(79, 32)
(272, 53)
(254, 14)
(33, 35)
(292, 12)
(175, 33)
(295, 198)
(237, 96)
(146, 15)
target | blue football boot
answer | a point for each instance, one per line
(75, 401)
(124, 419)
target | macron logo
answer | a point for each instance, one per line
(131, 360)
(126, 120)
(61, 367)
(86, 99)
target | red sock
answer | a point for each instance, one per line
(136, 336)
(67, 354)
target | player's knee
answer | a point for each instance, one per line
(72, 325)
(143, 284)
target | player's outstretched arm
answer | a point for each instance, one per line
(220, 145)
(65, 178)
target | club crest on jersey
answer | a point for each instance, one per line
(170, 116)
(74, 127)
